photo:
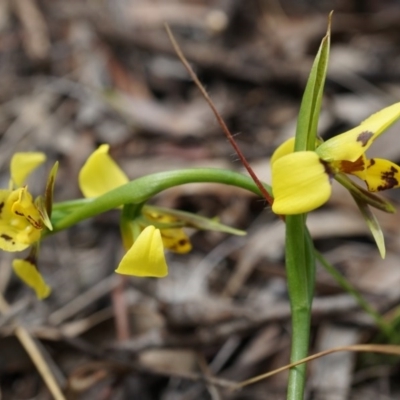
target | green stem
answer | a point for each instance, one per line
(300, 270)
(142, 189)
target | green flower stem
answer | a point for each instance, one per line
(142, 189)
(300, 271)
(69, 205)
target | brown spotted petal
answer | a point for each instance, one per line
(351, 145)
(24, 206)
(381, 175)
(16, 232)
(176, 240)
(353, 168)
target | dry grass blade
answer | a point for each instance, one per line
(372, 348)
(34, 353)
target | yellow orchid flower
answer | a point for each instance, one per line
(101, 174)
(22, 218)
(21, 222)
(301, 181)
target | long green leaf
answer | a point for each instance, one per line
(300, 258)
(307, 123)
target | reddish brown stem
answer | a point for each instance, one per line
(121, 311)
(220, 120)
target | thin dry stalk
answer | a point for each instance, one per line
(34, 353)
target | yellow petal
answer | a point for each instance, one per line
(174, 239)
(300, 183)
(146, 256)
(25, 207)
(16, 232)
(284, 149)
(352, 144)
(380, 175)
(23, 164)
(100, 174)
(30, 275)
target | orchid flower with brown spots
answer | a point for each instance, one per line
(301, 181)
(22, 219)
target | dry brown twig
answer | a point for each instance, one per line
(34, 353)
(219, 118)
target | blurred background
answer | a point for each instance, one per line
(76, 74)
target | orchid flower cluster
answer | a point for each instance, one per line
(146, 230)
(301, 183)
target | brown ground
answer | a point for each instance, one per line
(75, 74)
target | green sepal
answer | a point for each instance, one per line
(129, 226)
(373, 225)
(189, 220)
(48, 193)
(40, 204)
(364, 195)
(44, 203)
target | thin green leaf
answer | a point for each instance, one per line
(195, 221)
(300, 259)
(307, 122)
